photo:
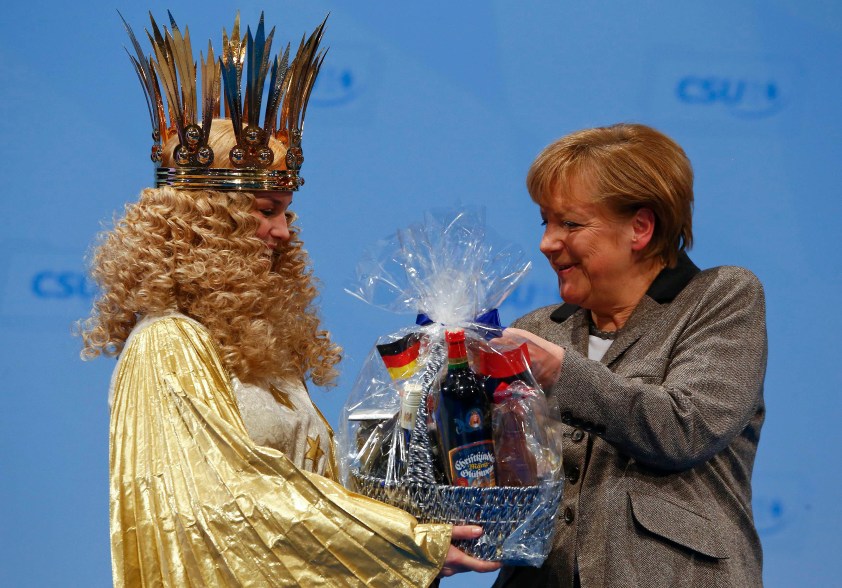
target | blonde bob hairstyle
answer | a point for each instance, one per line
(196, 252)
(627, 167)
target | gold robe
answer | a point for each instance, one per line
(196, 502)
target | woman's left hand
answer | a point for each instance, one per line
(545, 358)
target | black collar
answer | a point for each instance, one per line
(664, 289)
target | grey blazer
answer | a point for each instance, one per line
(660, 438)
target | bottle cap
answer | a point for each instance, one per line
(411, 398)
(502, 364)
(412, 392)
(454, 336)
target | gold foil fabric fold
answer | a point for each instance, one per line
(194, 502)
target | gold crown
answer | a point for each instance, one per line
(290, 85)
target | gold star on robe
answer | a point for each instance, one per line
(314, 450)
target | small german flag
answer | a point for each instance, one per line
(401, 357)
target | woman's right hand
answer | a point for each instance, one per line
(457, 561)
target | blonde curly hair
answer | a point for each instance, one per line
(196, 252)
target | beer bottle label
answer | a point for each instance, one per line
(472, 464)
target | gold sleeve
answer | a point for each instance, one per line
(194, 502)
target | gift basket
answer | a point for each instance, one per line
(445, 419)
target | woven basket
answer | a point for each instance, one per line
(518, 522)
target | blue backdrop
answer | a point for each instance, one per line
(422, 105)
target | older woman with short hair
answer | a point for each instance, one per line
(655, 366)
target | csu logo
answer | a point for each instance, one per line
(62, 284)
(706, 89)
(742, 96)
(44, 285)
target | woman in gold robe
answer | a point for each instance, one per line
(222, 470)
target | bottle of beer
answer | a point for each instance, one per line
(410, 399)
(464, 420)
(433, 428)
(514, 419)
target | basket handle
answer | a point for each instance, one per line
(420, 461)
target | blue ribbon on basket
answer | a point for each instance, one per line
(489, 323)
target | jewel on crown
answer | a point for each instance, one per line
(174, 113)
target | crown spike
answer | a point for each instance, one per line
(248, 68)
(167, 72)
(254, 53)
(235, 32)
(190, 68)
(231, 87)
(158, 40)
(264, 71)
(165, 69)
(233, 55)
(164, 131)
(144, 82)
(265, 68)
(305, 68)
(289, 107)
(311, 82)
(258, 52)
(217, 84)
(152, 91)
(210, 92)
(280, 70)
(141, 67)
(185, 69)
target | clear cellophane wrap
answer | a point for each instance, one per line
(451, 272)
